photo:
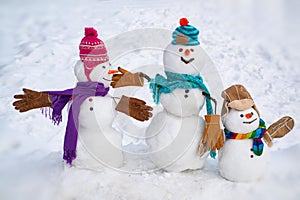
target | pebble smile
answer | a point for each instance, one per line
(106, 79)
(187, 61)
(250, 121)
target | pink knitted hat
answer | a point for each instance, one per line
(92, 51)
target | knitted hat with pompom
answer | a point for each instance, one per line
(92, 51)
(185, 34)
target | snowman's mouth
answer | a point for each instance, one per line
(187, 61)
(250, 121)
(106, 79)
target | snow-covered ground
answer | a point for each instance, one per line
(254, 43)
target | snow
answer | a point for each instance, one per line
(254, 43)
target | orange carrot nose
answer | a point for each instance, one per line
(112, 71)
(187, 52)
(248, 115)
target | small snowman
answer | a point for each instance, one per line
(90, 141)
(244, 156)
(175, 133)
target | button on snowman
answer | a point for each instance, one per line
(245, 156)
(174, 134)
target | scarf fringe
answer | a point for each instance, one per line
(69, 156)
(48, 113)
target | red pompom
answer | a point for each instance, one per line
(90, 32)
(183, 22)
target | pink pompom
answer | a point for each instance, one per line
(183, 22)
(90, 32)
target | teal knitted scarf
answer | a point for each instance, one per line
(173, 81)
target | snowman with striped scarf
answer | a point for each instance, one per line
(174, 134)
(246, 151)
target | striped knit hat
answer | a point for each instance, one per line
(92, 51)
(185, 34)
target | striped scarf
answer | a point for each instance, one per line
(173, 81)
(256, 135)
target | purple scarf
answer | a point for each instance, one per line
(59, 99)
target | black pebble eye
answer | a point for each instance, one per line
(103, 67)
(180, 50)
(192, 50)
(251, 113)
(241, 115)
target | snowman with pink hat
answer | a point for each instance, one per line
(90, 141)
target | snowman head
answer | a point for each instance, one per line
(244, 121)
(184, 55)
(239, 113)
(100, 73)
(183, 59)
